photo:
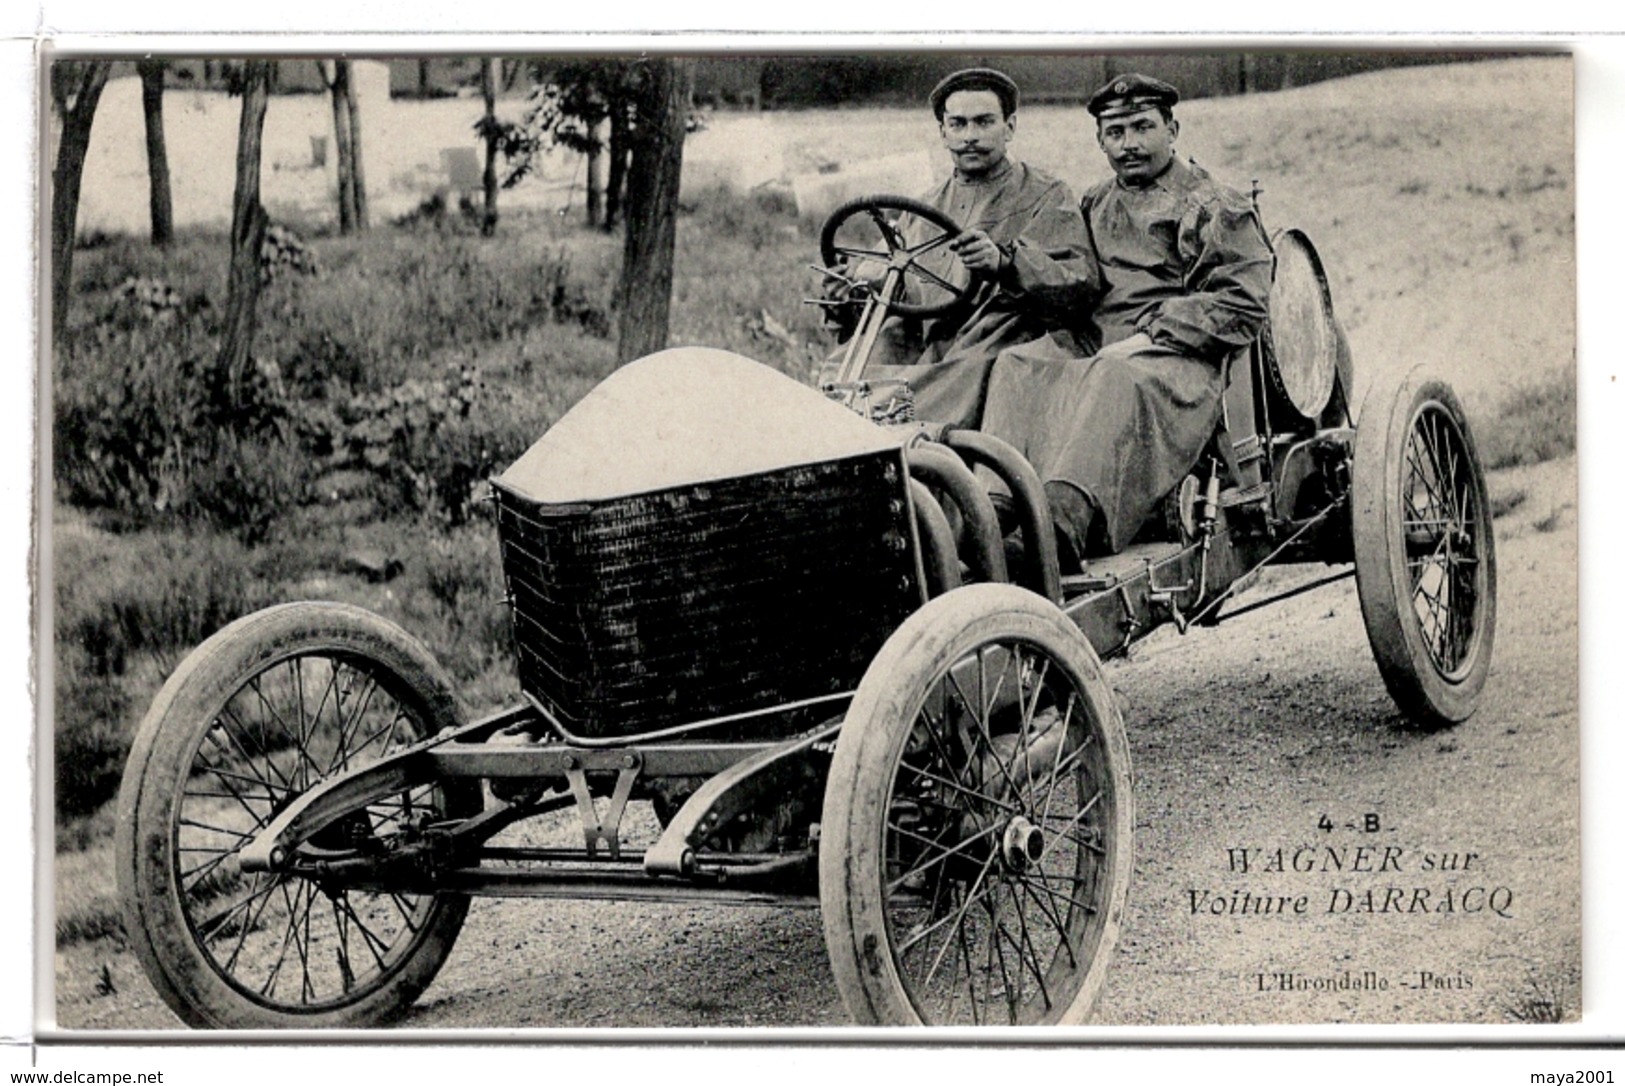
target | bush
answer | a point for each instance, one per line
(194, 265)
(463, 610)
(1535, 423)
(431, 443)
(248, 485)
(126, 409)
(134, 412)
(379, 310)
(126, 616)
(93, 730)
(408, 437)
(145, 427)
(761, 219)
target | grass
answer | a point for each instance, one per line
(1504, 504)
(87, 906)
(739, 255)
(1551, 521)
(128, 609)
(1544, 1000)
(1535, 423)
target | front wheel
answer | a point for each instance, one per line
(259, 713)
(1424, 551)
(976, 837)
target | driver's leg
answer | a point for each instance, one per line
(1109, 435)
(1078, 526)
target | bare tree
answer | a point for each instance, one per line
(651, 219)
(488, 88)
(336, 75)
(76, 87)
(358, 172)
(595, 173)
(152, 108)
(248, 223)
(347, 145)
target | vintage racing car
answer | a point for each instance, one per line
(774, 652)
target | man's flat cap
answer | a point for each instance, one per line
(989, 79)
(1131, 93)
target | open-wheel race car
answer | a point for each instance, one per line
(774, 652)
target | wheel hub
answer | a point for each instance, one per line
(1023, 844)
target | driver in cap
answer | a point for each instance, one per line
(1023, 238)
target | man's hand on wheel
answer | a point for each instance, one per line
(978, 252)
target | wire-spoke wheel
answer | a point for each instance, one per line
(258, 714)
(976, 837)
(1424, 550)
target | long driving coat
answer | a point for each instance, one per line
(1045, 285)
(1185, 260)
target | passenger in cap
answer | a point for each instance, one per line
(1185, 271)
(1023, 235)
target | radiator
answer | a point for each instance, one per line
(642, 612)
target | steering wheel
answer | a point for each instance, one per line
(860, 230)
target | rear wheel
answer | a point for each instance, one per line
(262, 711)
(976, 833)
(1424, 551)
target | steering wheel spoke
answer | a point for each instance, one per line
(852, 252)
(929, 244)
(887, 228)
(958, 290)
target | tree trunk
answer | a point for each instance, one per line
(651, 219)
(343, 146)
(248, 222)
(488, 87)
(66, 177)
(620, 149)
(152, 106)
(358, 172)
(61, 90)
(595, 174)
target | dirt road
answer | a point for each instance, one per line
(1243, 738)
